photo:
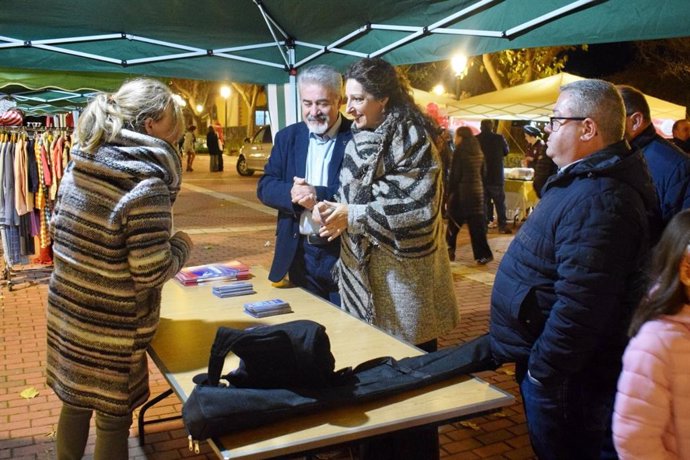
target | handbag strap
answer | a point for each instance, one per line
(225, 339)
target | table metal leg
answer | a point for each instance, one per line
(145, 407)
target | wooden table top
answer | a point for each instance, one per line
(190, 317)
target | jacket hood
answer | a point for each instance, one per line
(618, 161)
(134, 157)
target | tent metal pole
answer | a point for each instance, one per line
(548, 17)
(247, 47)
(169, 57)
(469, 32)
(270, 23)
(250, 60)
(85, 38)
(293, 83)
(96, 57)
(153, 41)
(333, 46)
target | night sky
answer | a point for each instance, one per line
(600, 60)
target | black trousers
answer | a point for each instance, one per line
(477, 226)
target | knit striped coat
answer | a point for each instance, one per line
(393, 269)
(113, 250)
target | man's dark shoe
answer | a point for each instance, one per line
(485, 260)
(505, 230)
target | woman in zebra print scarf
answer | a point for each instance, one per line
(393, 270)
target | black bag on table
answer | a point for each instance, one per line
(288, 369)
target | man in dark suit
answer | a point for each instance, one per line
(495, 148)
(304, 169)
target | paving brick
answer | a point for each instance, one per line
(492, 449)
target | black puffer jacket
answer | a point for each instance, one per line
(465, 184)
(570, 279)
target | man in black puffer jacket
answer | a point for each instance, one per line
(570, 279)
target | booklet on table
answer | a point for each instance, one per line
(218, 271)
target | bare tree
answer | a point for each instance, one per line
(669, 57)
(196, 93)
(250, 96)
(514, 67)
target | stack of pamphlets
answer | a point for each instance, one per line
(220, 271)
(267, 308)
(233, 289)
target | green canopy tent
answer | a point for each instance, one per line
(267, 41)
(262, 41)
(41, 92)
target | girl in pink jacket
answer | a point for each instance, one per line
(652, 412)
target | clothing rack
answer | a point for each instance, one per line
(21, 270)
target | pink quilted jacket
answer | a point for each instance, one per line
(652, 413)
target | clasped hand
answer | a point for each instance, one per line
(332, 217)
(302, 193)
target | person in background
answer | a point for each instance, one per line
(114, 248)
(543, 165)
(189, 147)
(214, 150)
(304, 168)
(445, 147)
(393, 270)
(495, 148)
(568, 284)
(535, 146)
(652, 410)
(681, 135)
(466, 200)
(668, 165)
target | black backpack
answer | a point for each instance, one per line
(288, 369)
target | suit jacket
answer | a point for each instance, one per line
(495, 148)
(289, 159)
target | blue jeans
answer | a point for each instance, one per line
(569, 419)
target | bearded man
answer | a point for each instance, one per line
(303, 169)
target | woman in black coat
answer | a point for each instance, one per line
(466, 201)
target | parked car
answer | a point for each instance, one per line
(254, 153)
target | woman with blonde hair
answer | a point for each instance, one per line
(114, 247)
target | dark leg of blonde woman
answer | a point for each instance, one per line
(112, 435)
(72, 432)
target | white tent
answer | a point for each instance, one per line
(535, 100)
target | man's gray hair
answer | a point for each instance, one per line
(600, 101)
(323, 75)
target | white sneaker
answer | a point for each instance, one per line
(493, 225)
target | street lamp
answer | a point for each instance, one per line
(225, 94)
(438, 89)
(459, 65)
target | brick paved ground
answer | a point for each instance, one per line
(225, 220)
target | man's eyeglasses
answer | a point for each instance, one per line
(556, 122)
